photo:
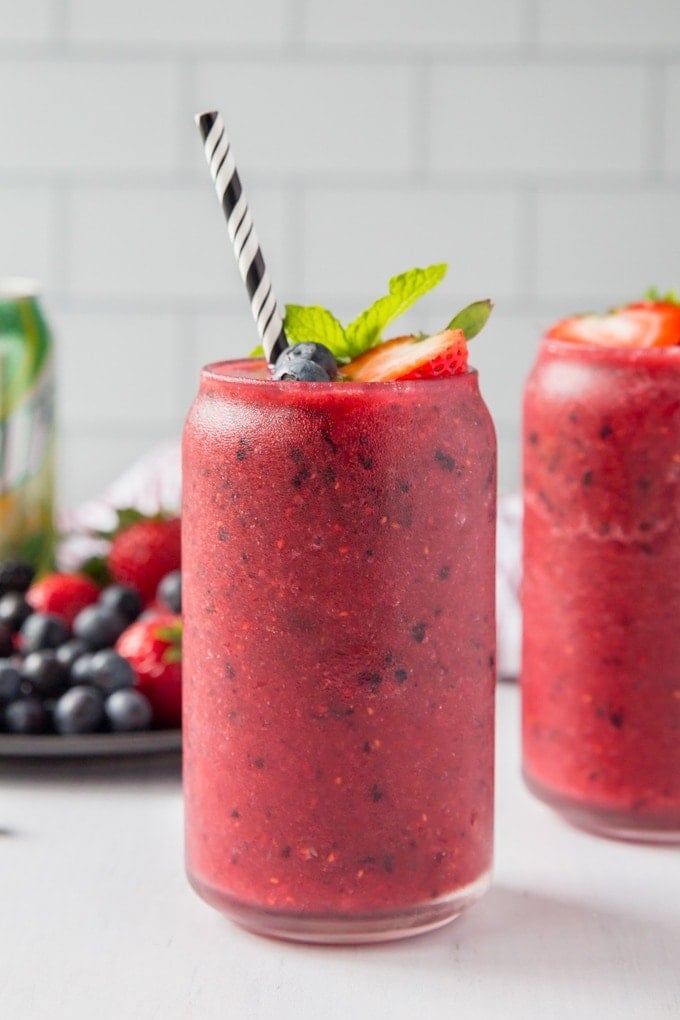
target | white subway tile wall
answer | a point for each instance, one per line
(534, 145)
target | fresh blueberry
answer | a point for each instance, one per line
(319, 355)
(15, 575)
(45, 674)
(123, 600)
(128, 711)
(110, 672)
(99, 626)
(10, 680)
(170, 591)
(81, 670)
(80, 710)
(43, 630)
(14, 610)
(26, 715)
(70, 651)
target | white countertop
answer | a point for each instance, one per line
(97, 920)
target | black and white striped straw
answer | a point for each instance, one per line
(242, 233)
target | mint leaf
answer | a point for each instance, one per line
(472, 319)
(404, 290)
(305, 323)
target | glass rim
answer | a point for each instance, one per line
(614, 354)
(211, 371)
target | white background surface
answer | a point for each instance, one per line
(98, 921)
(532, 144)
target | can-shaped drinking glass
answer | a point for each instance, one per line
(338, 599)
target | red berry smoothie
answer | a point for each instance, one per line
(338, 594)
(601, 590)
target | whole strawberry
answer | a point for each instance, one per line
(143, 552)
(62, 595)
(153, 647)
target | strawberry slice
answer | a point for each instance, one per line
(643, 324)
(407, 357)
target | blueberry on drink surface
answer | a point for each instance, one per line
(128, 711)
(80, 710)
(301, 371)
(292, 358)
(43, 630)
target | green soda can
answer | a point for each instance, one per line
(27, 428)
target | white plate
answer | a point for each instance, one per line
(89, 745)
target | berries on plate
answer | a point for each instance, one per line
(143, 552)
(153, 647)
(640, 324)
(63, 595)
(59, 671)
(408, 357)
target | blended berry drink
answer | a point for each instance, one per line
(601, 588)
(338, 594)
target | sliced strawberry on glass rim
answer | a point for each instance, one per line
(408, 357)
(643, 324)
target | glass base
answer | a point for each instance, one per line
(611, 824)
(344, 929)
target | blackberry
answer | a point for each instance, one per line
(15, 575)
(6, 642)
(14, 610)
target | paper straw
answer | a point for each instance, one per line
(242, 233)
